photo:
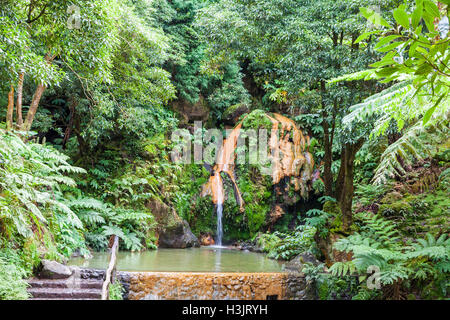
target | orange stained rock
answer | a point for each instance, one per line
(288, 155)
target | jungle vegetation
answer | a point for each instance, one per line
(90, 92)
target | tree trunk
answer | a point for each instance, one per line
(72, 105)
(344, 185)
(327, 161)
(82, 145)
(19, 119)
(328, 147)
(33, 107)
(340, 177)
(35, 101)
(10, 109)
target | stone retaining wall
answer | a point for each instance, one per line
(215, 286)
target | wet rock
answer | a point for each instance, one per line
(54, 270)
(206, 240)
(92, 274)
(77, 254)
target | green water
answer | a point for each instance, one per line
(204, 259)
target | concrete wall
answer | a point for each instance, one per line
(215, 286)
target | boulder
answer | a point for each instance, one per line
(173, 232)
(296, 264)
(206, 239)
(54, 270)
(178, 236)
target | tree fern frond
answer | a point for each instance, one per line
(368, 74)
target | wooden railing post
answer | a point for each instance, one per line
(110, 274)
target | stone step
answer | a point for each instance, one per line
(65, 293)
(62, 299)
(64, 283)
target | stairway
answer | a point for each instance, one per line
(79, 284)
(65, 289)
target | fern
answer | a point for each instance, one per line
(378, 244)
(12, 284)
(341, 269)
(430, 248)
(30, 178)
(416, 144)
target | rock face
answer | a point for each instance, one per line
(173, 232)
(275, 214)
(54, 270)
(289, 157)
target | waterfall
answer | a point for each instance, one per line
(219, 210)
(219, 224)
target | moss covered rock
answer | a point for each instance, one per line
(173, 231)
(394, 209)
(392, 197)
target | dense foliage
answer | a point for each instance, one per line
(91, 92)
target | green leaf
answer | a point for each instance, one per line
(429, 113)
(431, 8)
(386, 40)
(365, 35)
(387, 60)
(423, 69)
(416, 15)
(412, 49)
(401, 17)
(385, 72)
(389, 47)
(429, 20)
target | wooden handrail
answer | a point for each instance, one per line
(111, 271)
